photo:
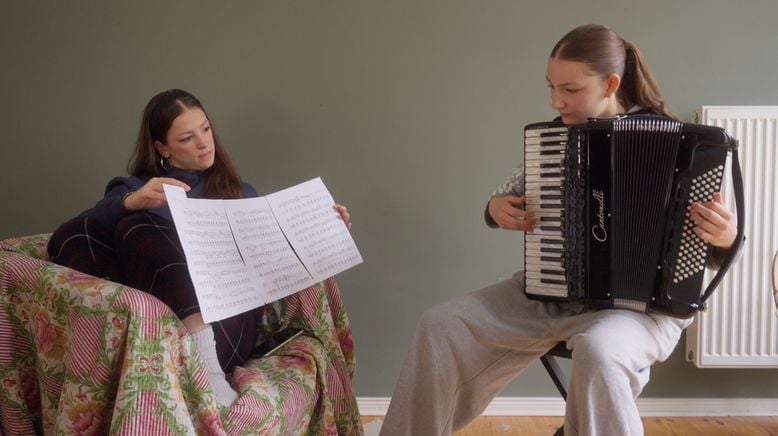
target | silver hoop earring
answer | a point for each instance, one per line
(164, 163)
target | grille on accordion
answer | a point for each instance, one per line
(613, 199)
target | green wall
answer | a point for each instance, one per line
(411, 111)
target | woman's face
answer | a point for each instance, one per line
(576, 92)
(190, 144)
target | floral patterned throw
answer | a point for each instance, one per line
(85, 356)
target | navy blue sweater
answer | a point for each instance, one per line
(110, 209)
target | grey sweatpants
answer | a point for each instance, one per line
(469, 348)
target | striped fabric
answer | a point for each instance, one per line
(82, 355)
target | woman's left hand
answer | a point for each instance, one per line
(343, 214)
(714, 223)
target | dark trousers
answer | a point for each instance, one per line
(144, 252)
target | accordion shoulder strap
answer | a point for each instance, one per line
(732, 254)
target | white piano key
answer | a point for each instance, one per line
(535, 156)
(546, 293)
(534, 171)
(537, 200)
(540, 246)
(544, 213)
(551, 136)
(545, 158)
(533, 133)
(539, 283)
(537, 148)
(550, 164)
(554, 233)
(535, 268)
(536, 263)
(535, 187)
(545, 140)
(535, 286)
(538, 210)
(532, 178)
(536, 275)
(538, 253)
(537, 238)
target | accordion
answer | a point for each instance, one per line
(613, 199)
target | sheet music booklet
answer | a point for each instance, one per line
(248, 252)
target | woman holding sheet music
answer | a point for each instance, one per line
(467, 349)
(129, 236)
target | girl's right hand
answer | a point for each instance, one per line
(506, 212)
(151, 195)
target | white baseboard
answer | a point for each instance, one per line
(549, 406)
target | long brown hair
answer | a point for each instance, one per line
(605, 52)
(221, 179)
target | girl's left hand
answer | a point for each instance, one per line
(343, 214)
(714, 223)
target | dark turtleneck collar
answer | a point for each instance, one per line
(191, 178)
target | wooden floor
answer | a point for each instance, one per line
(654, 426)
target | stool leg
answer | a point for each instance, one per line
(556, 373)
(560, 381)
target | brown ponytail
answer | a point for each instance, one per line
(638, 85)
(605, 52)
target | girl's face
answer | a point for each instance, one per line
(577, 93)
(190, 144)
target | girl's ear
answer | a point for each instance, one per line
(161, 148)
(614, 80)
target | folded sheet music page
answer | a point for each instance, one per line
(223, 284)
(265, 250)
(314, 228)
(245, 253)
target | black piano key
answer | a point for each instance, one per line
(550, 196)
(550, 188)
(553, 282)
(554, 174)
(550, 241)
(551, 228)
(551, 165)
(550, 259)
(551, 152)
(554, 272)
(551, 206)
(550, 250)
(550, 218)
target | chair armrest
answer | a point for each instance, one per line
(33, 246)
(81, 352)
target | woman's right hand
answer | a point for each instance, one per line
(506, 212)
(151, 195)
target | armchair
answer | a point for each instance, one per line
(82, 355)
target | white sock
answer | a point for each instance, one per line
(206, 344)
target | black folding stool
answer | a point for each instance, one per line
(555, 371)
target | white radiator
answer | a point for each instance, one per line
(740, 327)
